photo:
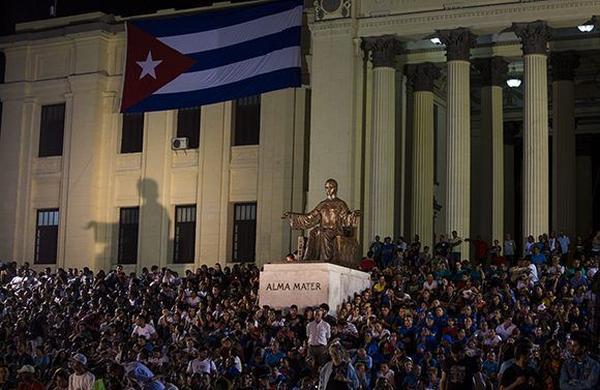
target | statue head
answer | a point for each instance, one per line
(331, 188)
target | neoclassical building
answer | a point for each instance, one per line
(410, 99)
(404, 102)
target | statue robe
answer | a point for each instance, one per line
(327, 221)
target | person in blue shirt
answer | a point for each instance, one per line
(564, 243)
(490, 365)
(538, 257)
(273, 356)
(338, 373)
(362, 357)
(387, 252)
(407, 329)
(364, 376)
(580, 372)
(375, 247)
(579, 280)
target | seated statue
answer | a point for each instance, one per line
(332, 237)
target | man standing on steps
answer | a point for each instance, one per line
(509, 250)
(454, 242)
(318, 333)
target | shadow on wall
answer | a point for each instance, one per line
(121, 243)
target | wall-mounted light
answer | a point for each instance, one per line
(435, 41)
(589, 25)
(586, 27)
(514, 82)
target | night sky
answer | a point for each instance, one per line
(14, 11)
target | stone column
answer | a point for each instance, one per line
(511, 129)
(335, 123)
(585, 186)
(534, 37)
(458, 165)
(493, 71)
(383, 50)
(422, 77)
(563, 142)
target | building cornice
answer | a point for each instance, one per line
(483, 19)
(61, 35)
(333, 27)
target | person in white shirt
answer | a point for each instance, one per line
(533, 273)
(143, 329)
(564, 243)
(193, 300)
(506, 329)
(81, 379)
(202, 364)
(510, 248)
(318, 332)
(430, 284)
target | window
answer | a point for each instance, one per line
(132, 132)
(247, 121)
(52, 127)
(185, 234)
(244, 232)
(128, 235)
(188, 125)
(46, 237)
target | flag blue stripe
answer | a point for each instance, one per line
(280, 79)
(249, 49)
(180, 25)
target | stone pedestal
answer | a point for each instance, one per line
(309, 284)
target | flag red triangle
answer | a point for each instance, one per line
(142, 47)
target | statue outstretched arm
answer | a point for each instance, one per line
(300, 221)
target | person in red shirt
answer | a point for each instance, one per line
(481, 249)
(367, 263)
(27, 380)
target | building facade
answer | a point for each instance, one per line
(88, 186)
(418, 88)
(405, 103)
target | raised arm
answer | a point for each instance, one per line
(300, 221)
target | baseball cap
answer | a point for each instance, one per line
(80, 358)
(139, 371)
(26, 369)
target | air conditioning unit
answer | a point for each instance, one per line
(179, 143)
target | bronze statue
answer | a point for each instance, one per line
(332, 237)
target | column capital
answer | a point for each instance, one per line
(423, 75)
(383, 49)
(493, 70)
(564, 64)
(534, 36)
(458, 41)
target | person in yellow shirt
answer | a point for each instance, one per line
(380, 285)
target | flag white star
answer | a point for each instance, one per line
(148, 66)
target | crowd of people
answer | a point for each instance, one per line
(506, 319)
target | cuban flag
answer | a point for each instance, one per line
(212, 57)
